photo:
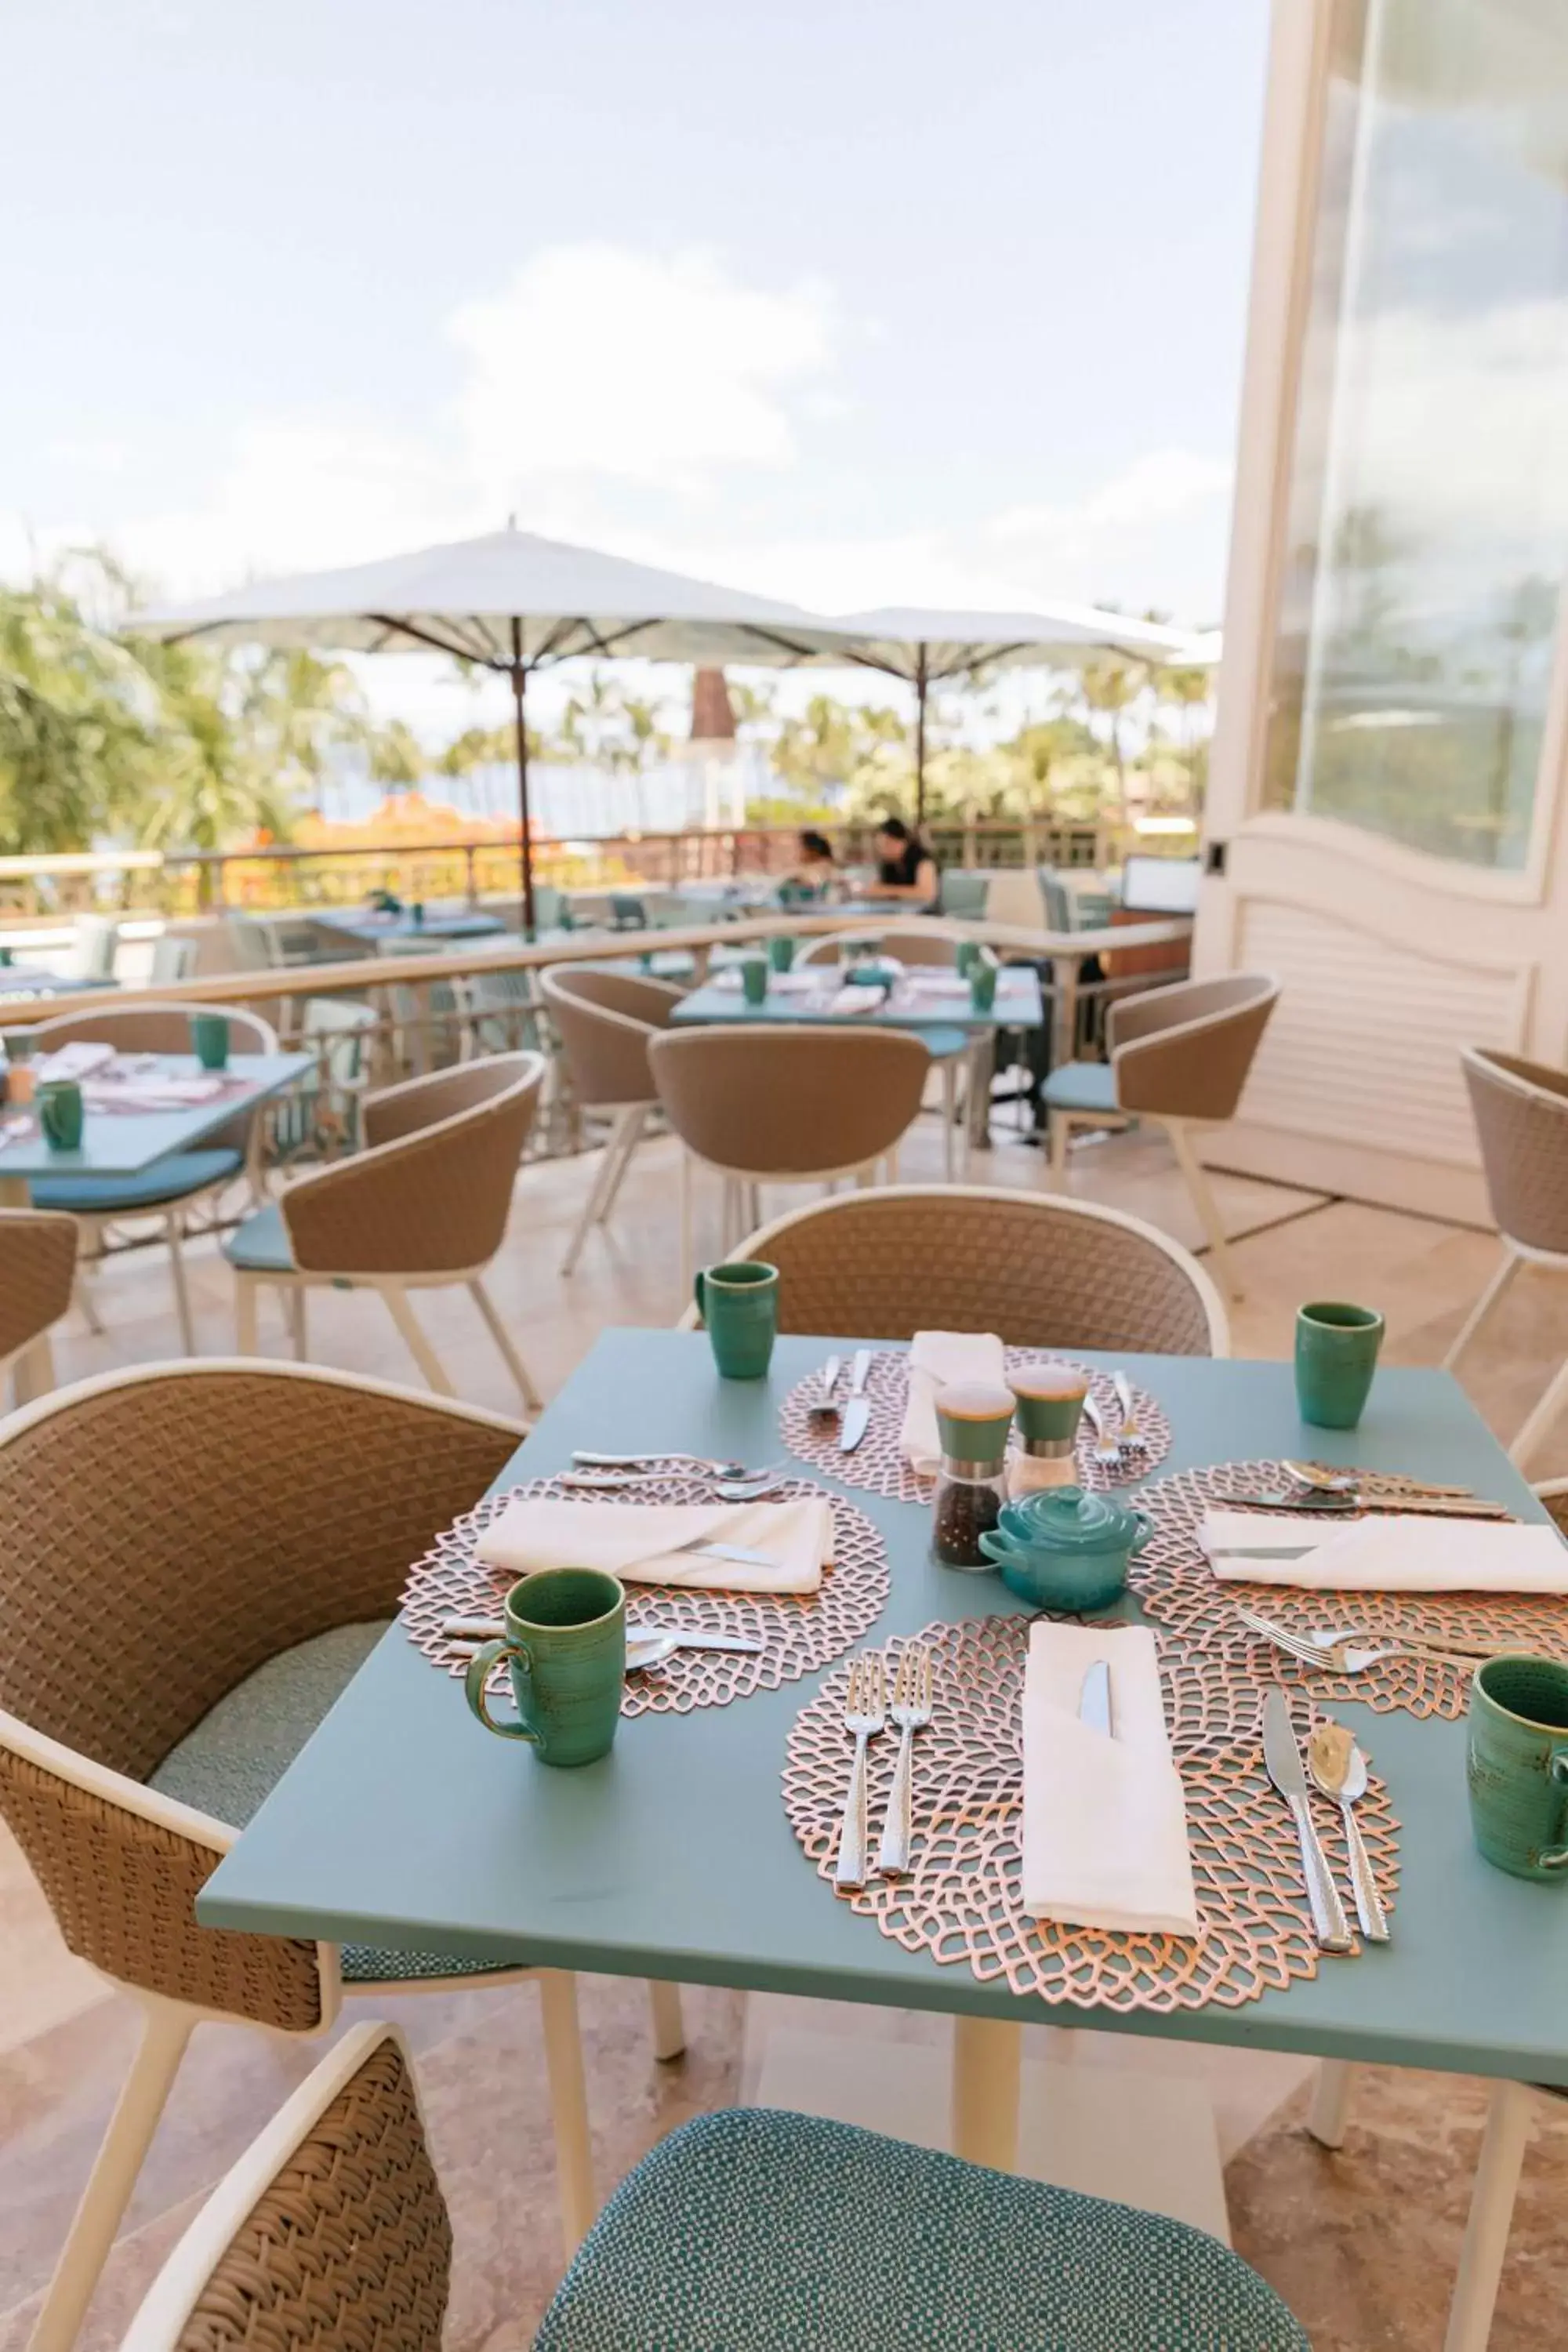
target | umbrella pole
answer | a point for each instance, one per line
(920, 737)
(519, 697)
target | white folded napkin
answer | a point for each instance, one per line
(642, 1542)
(940, 1359)
(171, 1091)
(937, 984)
(1105, 1827)
(75, 1061)
(1386, 1552)
(856, 1001)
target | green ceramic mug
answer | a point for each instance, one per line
(965, 956)
(781, 953)
(982, 985)
(60, 1114)
(740, 1306)
(1336, 1356)
(1518, 1765)
(754, 978)
(565, 1642)
(209, 1039)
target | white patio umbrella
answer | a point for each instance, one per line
(923, 647)
(511, 603)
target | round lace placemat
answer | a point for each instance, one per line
(799, 1631)
(960, 1901)
(1177, 1587)
(878, 1465)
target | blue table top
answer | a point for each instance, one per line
(365, 924)
(402, 1823)
(24, 980)
(1019, 1005)
(122, 1143)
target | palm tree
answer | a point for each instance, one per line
(79, 723)
(1106, 688)
(398, 757)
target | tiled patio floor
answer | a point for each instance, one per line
(1362, 2243)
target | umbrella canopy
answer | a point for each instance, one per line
(513, 603)
(922, 645)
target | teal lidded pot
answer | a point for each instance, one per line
(1065, 1550)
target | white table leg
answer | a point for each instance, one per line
(1330, 2102)
(987, 2056)
(1491, 2212)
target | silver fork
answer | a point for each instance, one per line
(1336, 1656)
(864, 1714)
(1105, 1451)
(1129, 1437)
(585, 1459)
(911, 1711)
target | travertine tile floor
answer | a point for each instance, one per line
(1362, 2243)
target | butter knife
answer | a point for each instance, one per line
(857, 1416)
(1094, 1698)
(1286, 1770)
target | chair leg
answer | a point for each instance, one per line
(1491, 2212)
(1330, 2110)
(1201, 1193)
(171, 1233)
(1539, 1420)
(166, 2029)
(1060, 1131)
(569, 2105)
(86, 1304)
(1510, 1263)
(688, 1248)
(622, 1143)
(668, 2025)
(591, 1207)
(729, 1216)
(299, 1330)
(949, 1117)
(400, 1307)
(33, 1373)
(243, 1315)
(532, 1401)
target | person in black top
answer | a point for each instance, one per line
(905, 867)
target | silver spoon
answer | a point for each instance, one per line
(1338, 1771)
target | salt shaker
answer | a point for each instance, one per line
(1048, 1400)
(972, 1421)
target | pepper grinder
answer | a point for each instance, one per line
(972, 1421)
(1048, 1398)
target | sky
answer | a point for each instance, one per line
(876, 302)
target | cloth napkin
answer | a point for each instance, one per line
(1386, 1552)
(801, 983)
(1105, 1828)
(938, 1360)
(77, 1061)
(856, 1001)
(641, 1542)
(170, 1091)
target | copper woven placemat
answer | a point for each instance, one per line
(962, 1901)
(877, 1464)
(1177, 1587)
(800, 1632)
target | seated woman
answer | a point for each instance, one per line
(817, 869)
(905, 867)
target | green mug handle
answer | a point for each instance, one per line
(697, 1294)
(1557, 1857)
(479, 1674)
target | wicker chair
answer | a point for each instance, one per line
(1521, 1112)
(1179, 1055)
(426, 1205)
(168, 1189)
(749, 2229)
(1039, 1272)
(254, 1524)
(605, 1022)
(37, 1275)
(764, 1104)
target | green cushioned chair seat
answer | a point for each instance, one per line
(761, 2231)
(260, 1245)
(173, 1178)
(243, 1746)
(1081, 1086)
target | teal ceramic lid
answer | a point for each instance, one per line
(972, 1421)
(1066, 1520)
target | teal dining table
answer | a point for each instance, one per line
(401, 1825)
(124, 1142)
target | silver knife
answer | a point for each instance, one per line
(728, 1552)
(823, 1403)
(1094, 1698)
(1283, 1758)
(856, 1415)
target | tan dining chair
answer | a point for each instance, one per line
(1521, 1110)
(38, 1276)
(748, 2228)
(1180, 1056)
(765, 1105)
(254, 1523)
(1039, 1271)
(424, 1206)
(171, 1186)
(605, 1022)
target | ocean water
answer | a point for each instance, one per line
(579, 802)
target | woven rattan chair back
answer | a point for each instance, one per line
(1522, 1121)
(432, 1193)
(1553, 1492)
(167, 1531)
(38, 1267)
(1039, 1272)
(605, 1020)
(1185, 1051)
(331, 2234)
(780, 1102)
